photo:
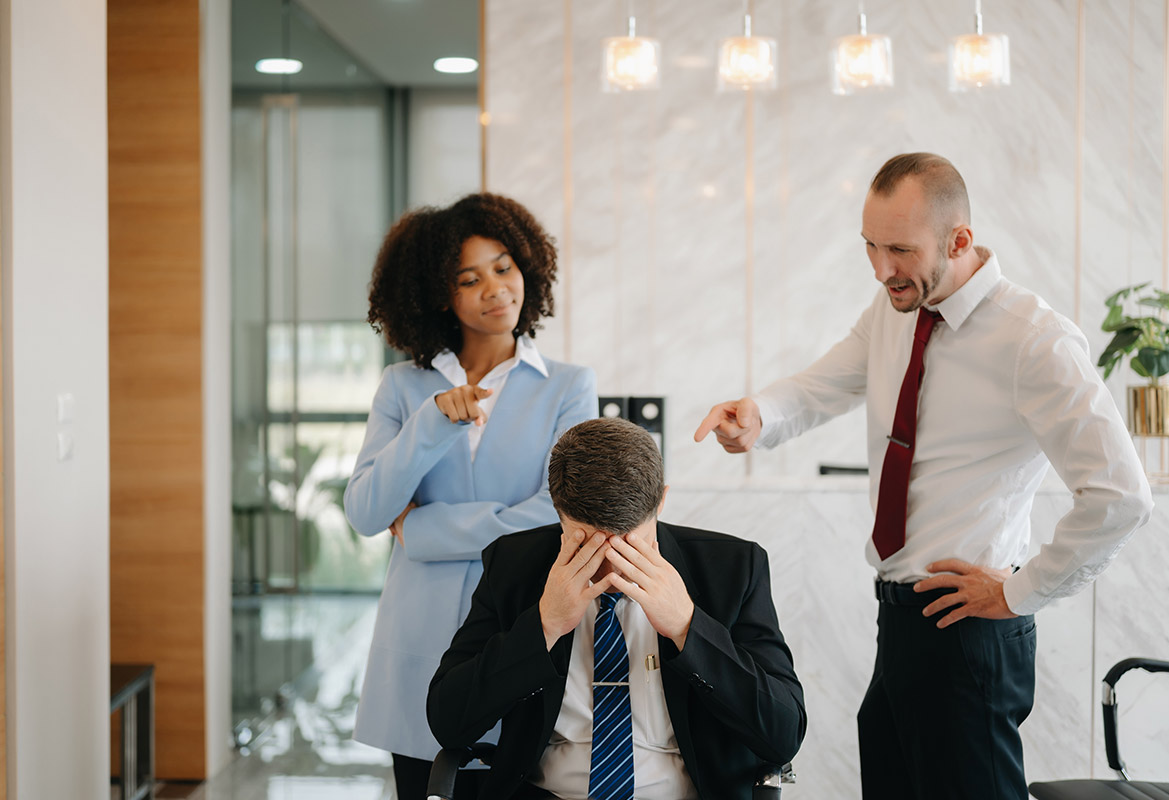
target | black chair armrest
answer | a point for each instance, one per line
(441, 783)
(1111, 734)
(770, 781)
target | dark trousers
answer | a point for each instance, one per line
(411, 775)
(941, 716)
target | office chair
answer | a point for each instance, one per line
(1103, 789)
(441, 785)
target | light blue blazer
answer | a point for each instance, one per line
(414, 453)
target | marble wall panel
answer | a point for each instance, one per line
(1124, 115)
(524, 78)
(597, 129)
(701, 245)
(1144, 244)
(772, 259)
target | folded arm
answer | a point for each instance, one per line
(395, 457)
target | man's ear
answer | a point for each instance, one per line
(961, 240)
(662, 504)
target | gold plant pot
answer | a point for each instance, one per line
(1148, 410)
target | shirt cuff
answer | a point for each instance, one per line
(770, 416)
(1020, 593)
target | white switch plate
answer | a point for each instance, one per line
(64, 446)
(66, 407)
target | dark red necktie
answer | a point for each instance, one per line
(893, 497)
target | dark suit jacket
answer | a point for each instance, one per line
(732, 693)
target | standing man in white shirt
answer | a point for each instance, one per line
(972, 385)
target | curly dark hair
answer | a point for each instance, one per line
(414, 275)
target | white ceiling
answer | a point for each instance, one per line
(354, 43)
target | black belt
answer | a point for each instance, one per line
(902, 594)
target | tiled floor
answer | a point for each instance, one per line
(315, 647)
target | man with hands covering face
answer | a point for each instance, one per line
(626, 657)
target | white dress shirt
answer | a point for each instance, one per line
(658, 770)
(1008, 386)
(447, 364)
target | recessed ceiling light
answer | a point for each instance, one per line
(456, 65)
(279, 66)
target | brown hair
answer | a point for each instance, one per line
(606, 473)
(940, 180)
(413, 276)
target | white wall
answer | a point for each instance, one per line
(444, 147)
(215, 57)
(53, 174)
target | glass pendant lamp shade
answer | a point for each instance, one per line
(979, 60)
(630, 63)
(746, 62)
(861, 61)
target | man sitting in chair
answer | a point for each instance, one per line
(626, 657)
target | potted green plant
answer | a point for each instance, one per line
(1146, 338)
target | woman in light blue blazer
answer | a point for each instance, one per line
(455, 452)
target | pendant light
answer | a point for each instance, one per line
(861, 61)
(285, 65)
(630, 63)
(747, 61)
(979, 60)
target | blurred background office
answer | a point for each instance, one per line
(186, 243)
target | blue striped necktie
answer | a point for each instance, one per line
(611, 772)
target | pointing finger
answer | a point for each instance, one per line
(711, 421)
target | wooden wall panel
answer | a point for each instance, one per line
(156, 437)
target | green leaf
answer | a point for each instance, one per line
(1154, 360)
(1115, 320)
(1160, 301)
(1116, 298)
(1109, 363)
(1124, 341)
